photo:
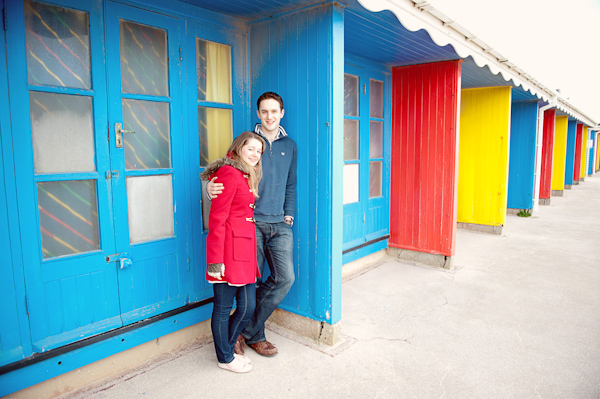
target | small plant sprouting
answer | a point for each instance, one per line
(524, 214)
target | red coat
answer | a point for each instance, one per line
(231, 233)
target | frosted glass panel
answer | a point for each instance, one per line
(350, 139)
(150, 207)
(58, 46)
(144, 67)
(68, 217)
(350, 95)
(350, 183)
(376, 139)
(62, 133)
(150, 146)
(375, 174)
(376, 99)
(213, 63)
(215, 131)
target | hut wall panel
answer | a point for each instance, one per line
(570, 156)
(294, 55)
(547, 153)
(424, 157)
(521, 173)
(560, 153)
(483, 155)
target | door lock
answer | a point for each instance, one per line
(122, 258)
(119, 131)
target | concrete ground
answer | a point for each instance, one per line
(517, 317)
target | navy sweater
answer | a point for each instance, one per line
(277, 188)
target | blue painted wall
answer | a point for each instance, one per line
(14, 329)
(570, 160)
(300, 56)
(590, 166)
(521, 167)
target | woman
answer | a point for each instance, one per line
(231, 245)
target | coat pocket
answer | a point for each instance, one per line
(243, 243)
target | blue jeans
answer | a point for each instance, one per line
(226, 328)
(275, 243)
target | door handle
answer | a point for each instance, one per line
(119, 131)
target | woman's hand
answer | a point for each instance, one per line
(216, 270)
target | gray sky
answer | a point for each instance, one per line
(557, 42)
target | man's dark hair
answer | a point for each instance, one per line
(269, 95)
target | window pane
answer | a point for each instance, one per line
(350, 95)
(350, 139)
(58, 46)
(150, 207)
(144, 68)
(376, 140)
(376, 99)
(68, 217)
(213, 62)
(62, 133)
(150, 146)
(350, 183)
(375, 176)
(216, 133)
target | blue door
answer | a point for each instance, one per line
(59, 114)
(146, 160)
(96, 110)
(218, 110)
(366, 160)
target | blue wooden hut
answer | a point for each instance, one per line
(111, 109)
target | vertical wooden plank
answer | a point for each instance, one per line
(570, 158)
(578, 144)
(598, 152)
(85, 299)
(483, 164)
(293, 55)
(423, 163)
(584, 151)
(547, 153)
(14, 329)
(522, 155)
(560, 153)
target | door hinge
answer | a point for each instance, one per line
(27, 305)
(188, 264)
(363, 218)
(180, 53)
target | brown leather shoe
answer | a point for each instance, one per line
(264, 348)
(239, 345)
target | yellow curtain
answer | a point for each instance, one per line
(218, 73)
(214, 84)
(219, 132)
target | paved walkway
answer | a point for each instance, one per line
(518, 317)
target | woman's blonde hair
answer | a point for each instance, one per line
(254, 172)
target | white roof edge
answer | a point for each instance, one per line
(420, 14)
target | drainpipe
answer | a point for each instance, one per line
(538, 154)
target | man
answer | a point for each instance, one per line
(274, 215)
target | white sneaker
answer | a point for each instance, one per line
(236, 365)
(243, 358)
